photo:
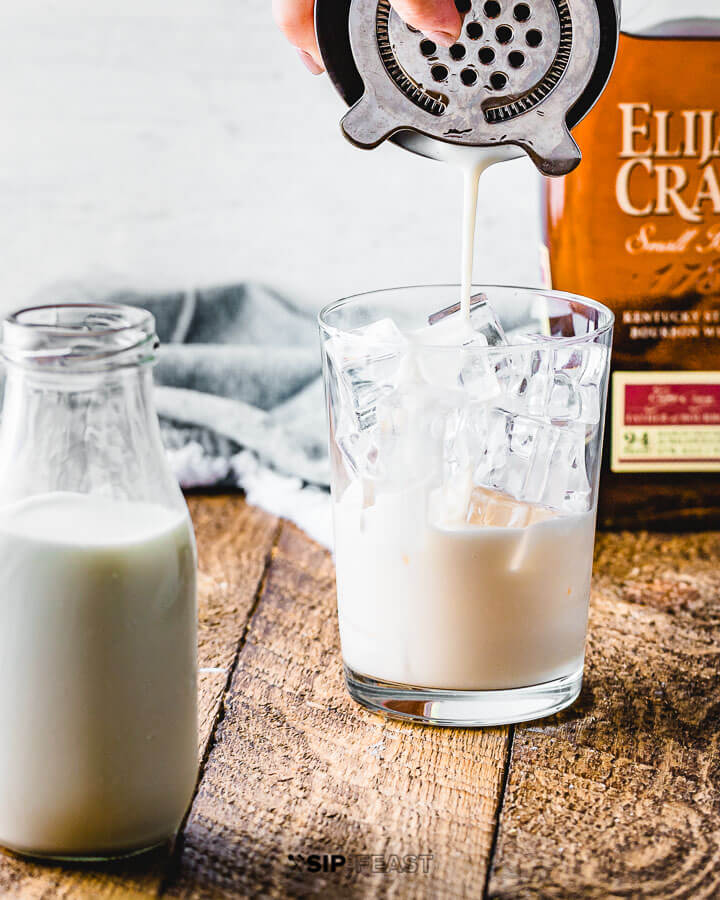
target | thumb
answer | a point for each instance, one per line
(438, 19)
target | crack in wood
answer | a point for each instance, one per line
(498, 816)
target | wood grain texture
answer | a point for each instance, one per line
(620, 796)
(234, 542)
(298, 768)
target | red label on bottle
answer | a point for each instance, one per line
(666, 421)
(672, 404)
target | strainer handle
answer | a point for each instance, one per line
(366, 124)
(553, 151)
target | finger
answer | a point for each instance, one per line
(309, 62)
(438, 19)
(296, 21)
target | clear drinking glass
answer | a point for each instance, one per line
(465, 462)
(98, 621)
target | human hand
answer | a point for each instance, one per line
(438, 19)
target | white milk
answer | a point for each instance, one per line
(471, 182)
(472, 162)
(448, 604)
(98, 752)
(472, 171)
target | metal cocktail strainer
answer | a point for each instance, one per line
(523, 73)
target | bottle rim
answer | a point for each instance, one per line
(79, 337)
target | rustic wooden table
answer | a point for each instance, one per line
(618, 797)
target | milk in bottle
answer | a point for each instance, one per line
(98, 633)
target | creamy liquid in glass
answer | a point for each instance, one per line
(429, 599)
(442, 603)
(97, 674)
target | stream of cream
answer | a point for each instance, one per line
(471, 178)
(473, 164)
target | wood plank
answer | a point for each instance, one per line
(620, 796)
(234, 543)
(298, 768)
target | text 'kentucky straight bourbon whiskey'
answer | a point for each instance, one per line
(637, 226)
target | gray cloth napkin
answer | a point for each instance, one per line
(239, 368)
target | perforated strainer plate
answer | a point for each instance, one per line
(513, 58)
(517, 69)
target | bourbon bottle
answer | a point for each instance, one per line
(637, 226)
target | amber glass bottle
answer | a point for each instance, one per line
(637, 226)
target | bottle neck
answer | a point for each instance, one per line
(94, 433)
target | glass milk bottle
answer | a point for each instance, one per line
(98, 634)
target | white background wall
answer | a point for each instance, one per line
(159, 144)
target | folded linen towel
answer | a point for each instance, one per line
(239, 367)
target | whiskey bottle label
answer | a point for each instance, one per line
(637, 226)
(666, 422)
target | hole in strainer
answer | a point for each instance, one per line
(516, 59)
(468, 77)
(498, 80)
(486, 56)
(534, 37)
(521, 12)
(463, 6)
(474, 31)
(492, 9)
(439, 73)
(414, 30)
(504, 34)
(457, 51)
(428, 48)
